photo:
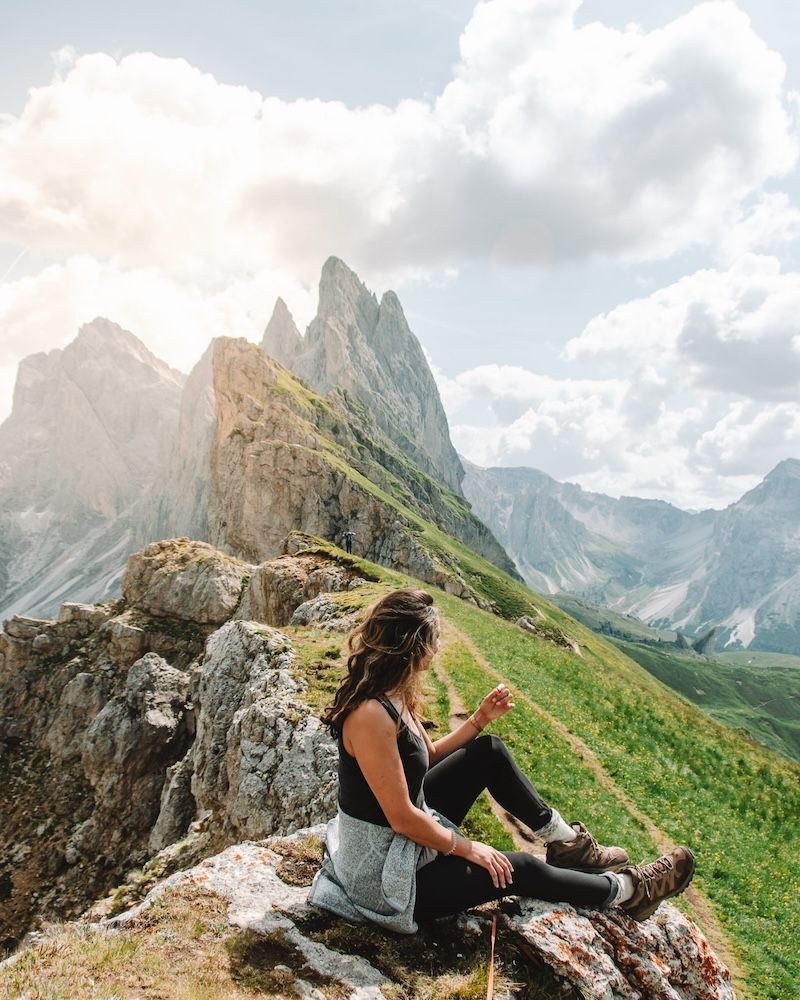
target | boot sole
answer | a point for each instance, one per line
(650, 910)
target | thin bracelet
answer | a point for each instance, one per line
(472, 722)
(452, 846)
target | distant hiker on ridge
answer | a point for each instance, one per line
(394, 854)
(348, 541)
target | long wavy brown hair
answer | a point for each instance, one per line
(386, 649)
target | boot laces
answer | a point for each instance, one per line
(657, 868)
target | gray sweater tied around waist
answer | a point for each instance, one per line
(369, 871)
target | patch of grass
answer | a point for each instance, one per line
(319, 660)
(300, 859)
(188, 851)
(270, 965)
(175, 951)
(480, 823)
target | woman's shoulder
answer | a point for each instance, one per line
(373, 711)
(369, 720)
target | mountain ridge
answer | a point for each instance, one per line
(366, 347)
(736, 568)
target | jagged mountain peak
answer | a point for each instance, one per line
(282, 339)
(281, 310)
(103, 338)
(101, 330)
(779, 487)
(368, 350)
(344, 297)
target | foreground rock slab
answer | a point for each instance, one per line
(259, 900)
(608, 956)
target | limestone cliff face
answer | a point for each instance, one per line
(285, 459)
(366, 348)
(178, 501)
(90, 427)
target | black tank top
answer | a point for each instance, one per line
(355, 795)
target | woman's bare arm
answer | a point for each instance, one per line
(370, 735)
(495, 704)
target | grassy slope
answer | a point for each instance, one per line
(761, 701)
(755, 692)
(701, 783)
(351, 443)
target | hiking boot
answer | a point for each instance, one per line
(584, 854)
(666, 876)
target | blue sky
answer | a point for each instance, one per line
(519, 192)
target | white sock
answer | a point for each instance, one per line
(555, 829)
(626, 886)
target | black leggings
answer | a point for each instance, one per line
(450, 884)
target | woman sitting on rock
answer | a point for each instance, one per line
(394, 854)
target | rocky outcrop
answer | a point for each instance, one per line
(187, 580)
(366, 348)
(125, 752)
(262, 763)
(607, 956)
(546, 950)
(92, 716)
(545, 629)
(119, 724)
(277, 587)
(324, 613)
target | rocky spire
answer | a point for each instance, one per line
(368, 349)
(282, 339)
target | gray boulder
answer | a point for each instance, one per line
(180, 578)
(262, 763)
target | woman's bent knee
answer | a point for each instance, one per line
(489, 744)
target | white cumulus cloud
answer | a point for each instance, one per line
(707, 407)
(180, 206)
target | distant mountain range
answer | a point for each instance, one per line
(737, 569)
(107, 448)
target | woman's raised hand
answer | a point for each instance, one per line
(495, 862)
(496, 703)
